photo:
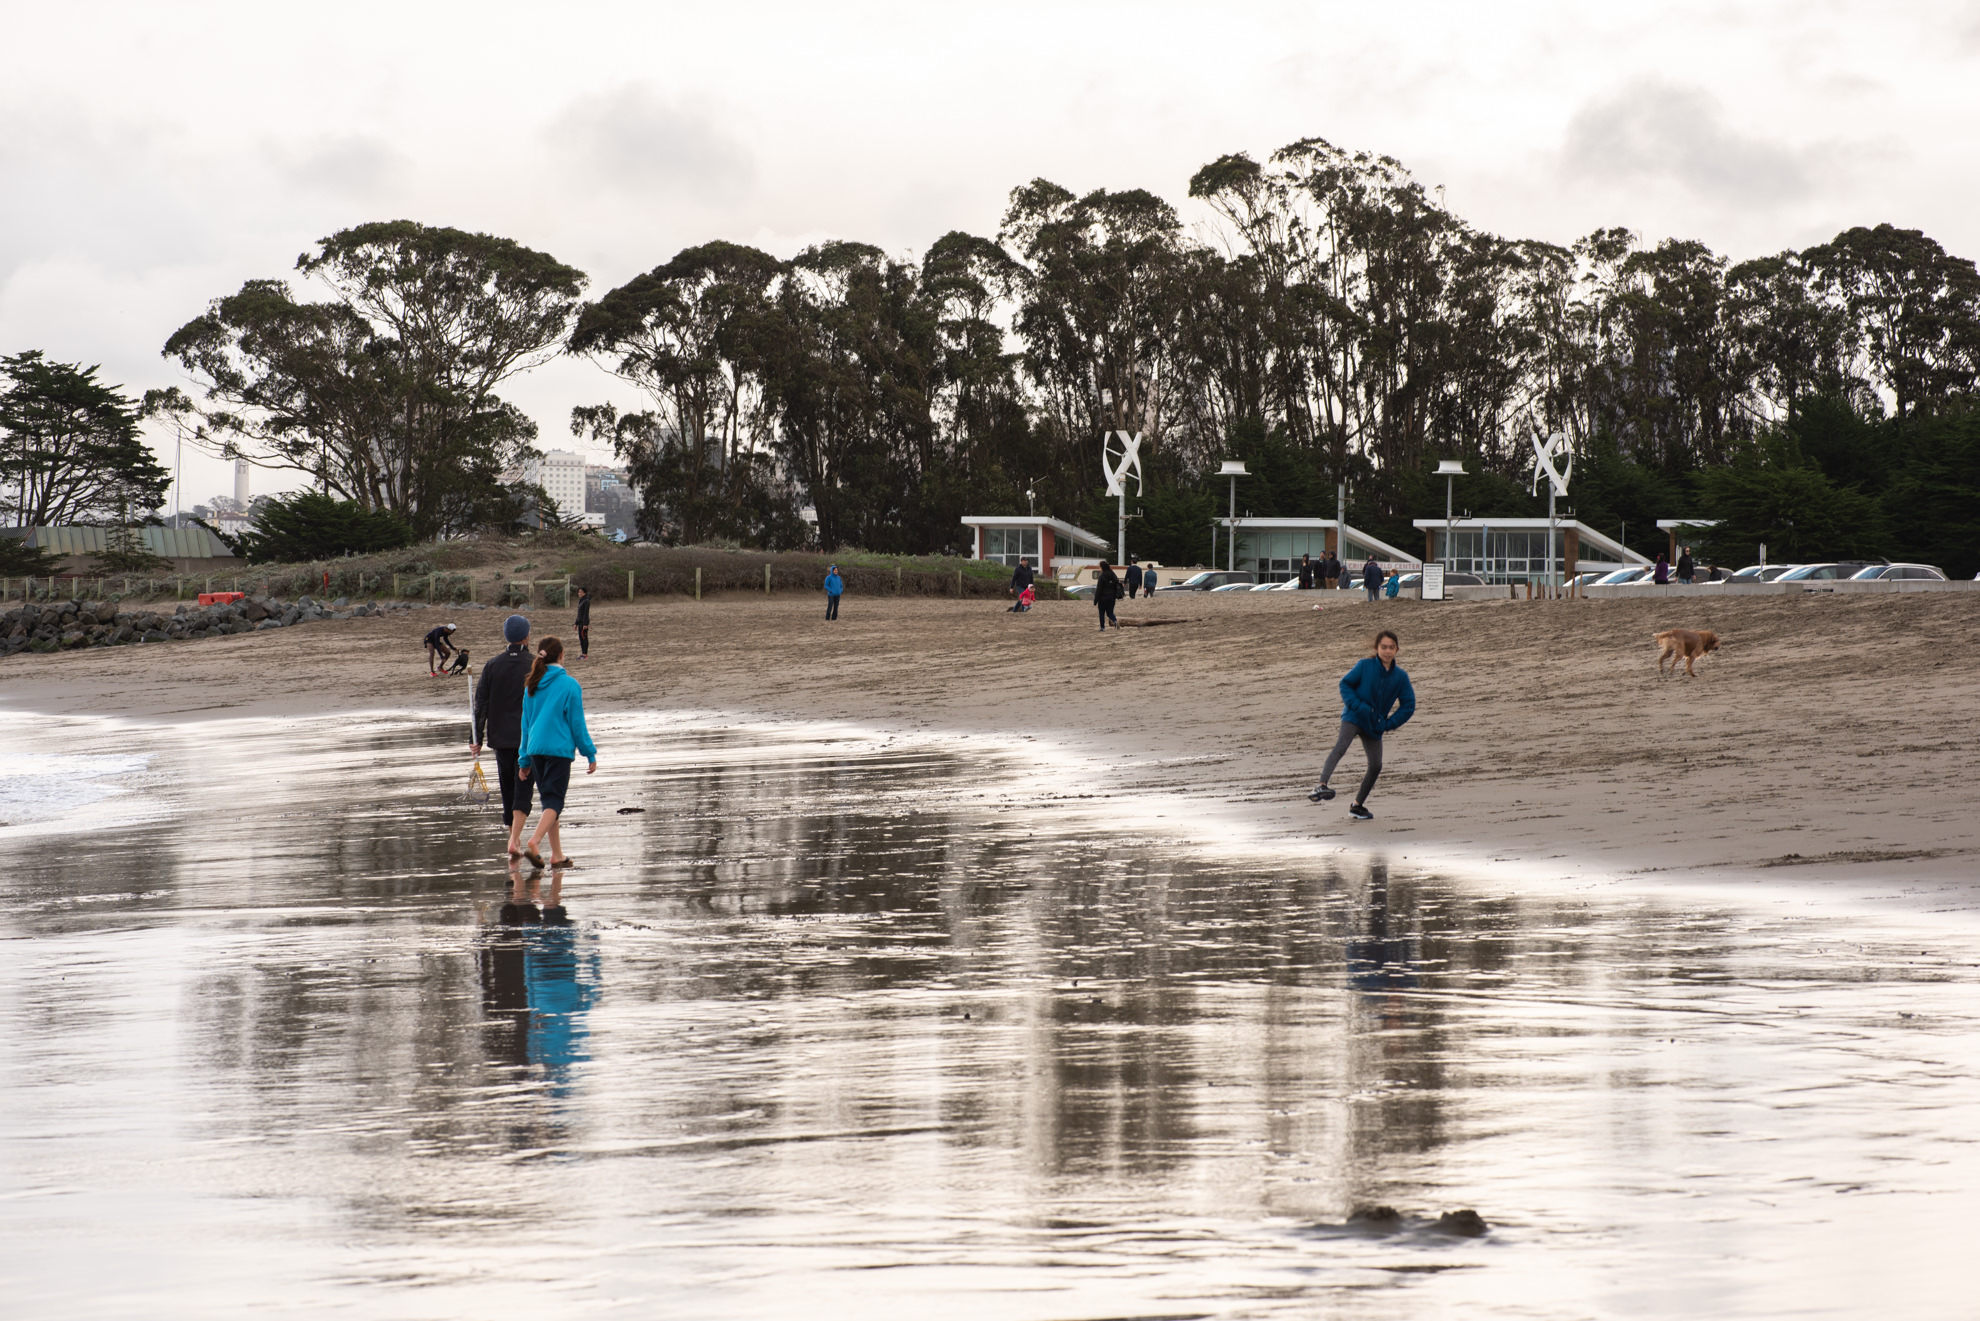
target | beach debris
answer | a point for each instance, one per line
(1466, 1222)
(628, 811)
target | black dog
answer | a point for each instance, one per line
(460, 663)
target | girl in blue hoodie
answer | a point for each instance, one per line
(1375, 698)
(835, 587)
(553, 733)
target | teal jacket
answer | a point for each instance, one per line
(553, 719)
(1368, 692)
(834, 585)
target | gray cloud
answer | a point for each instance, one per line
(631, 140)
(1652, 130)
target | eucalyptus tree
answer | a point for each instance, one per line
(1915, 306)
(691, 335)
(70, 446)
(385, 391)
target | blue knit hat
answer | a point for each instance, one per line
(515, 629)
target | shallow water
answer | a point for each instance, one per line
(832, 1029)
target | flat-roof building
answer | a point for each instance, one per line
(1272, 547)
(1514, 550)
(1048, 545)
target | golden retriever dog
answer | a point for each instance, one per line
(1684, 644)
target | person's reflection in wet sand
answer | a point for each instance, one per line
(537, 981)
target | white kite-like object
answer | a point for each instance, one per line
(1120, 455)
(1552, 456)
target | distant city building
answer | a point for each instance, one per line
(561, 475)
(610, 501)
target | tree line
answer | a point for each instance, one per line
(1333, 325)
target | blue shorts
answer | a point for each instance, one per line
(553, 780)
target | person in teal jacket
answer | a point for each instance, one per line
(835, 587)
(1376, 697)
(553, 733)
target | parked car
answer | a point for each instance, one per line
(1895, 572)
(1821, 573)
(1761, 573)
(1289, 585)
(1211, 579)
(1634, 573)
(1084, 591)
(1234, 587)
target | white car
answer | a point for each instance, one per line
(1761, 573)
(1635, 573)
(1895, 572)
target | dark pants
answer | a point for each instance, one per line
(1107, 613)
(831, 607)
(1374, 589)
(553, 781)
(1372, 746)
(1133, 587)
(515, 792)
(584, 639)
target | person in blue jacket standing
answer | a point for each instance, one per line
(835, 587)
(553, 733)
(1375, 698)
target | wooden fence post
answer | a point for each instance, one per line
(629, 584)
(958, 584)
(766, 580)
(697, 582)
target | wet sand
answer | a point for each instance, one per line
(1828, 746)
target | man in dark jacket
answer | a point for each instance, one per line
(1133, 580)
(1687, 567)
(498, 703)
(1305, 572)
(1106, 591)
(1022, 577)
(583, 622)
(1371, 578)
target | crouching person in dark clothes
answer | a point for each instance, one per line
(498, 704)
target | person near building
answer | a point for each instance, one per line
(1687, 568)
(1330, 571)
(1305, 572)
(498, 704)
(1106, 591)
(1661, 575)
(584, 623)
(553, 733)
(1022, 577)
(1376, 698)
(1371, 578)
(835, 587)
(439, 648)
(1133, 580)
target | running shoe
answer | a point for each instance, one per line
(1360, 813)
(1320, 795)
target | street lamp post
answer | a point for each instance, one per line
(1450, 470)
(1233, 469)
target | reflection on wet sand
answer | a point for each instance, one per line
(823, 1029)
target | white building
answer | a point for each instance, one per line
(1051, 547)
(561, 475)
(1519, 550)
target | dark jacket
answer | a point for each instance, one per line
(584, 612)
(1368, 691)
(1134, 576)
(441, 638)
(498, 699)
(1108, 588)
(1663, 572)
(1022, 577)
(1372, 576)
(1306, 568)
(1686, 568)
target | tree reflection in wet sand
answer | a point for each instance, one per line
(835, 1025)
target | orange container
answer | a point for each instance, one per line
(221, 598)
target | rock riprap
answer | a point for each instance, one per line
(71, 625)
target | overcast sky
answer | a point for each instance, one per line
(155, 155)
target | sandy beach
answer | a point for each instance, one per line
(1829, 742)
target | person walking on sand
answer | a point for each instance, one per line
(1368, 692)
(584, 623)
(498, 706)
(439, 648)
(1371, 579)
(1133, 580)
(1305, 573)
(1687, 567)
(1106, 591)
(835, 587)
(553, 733)
(1661, 575)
